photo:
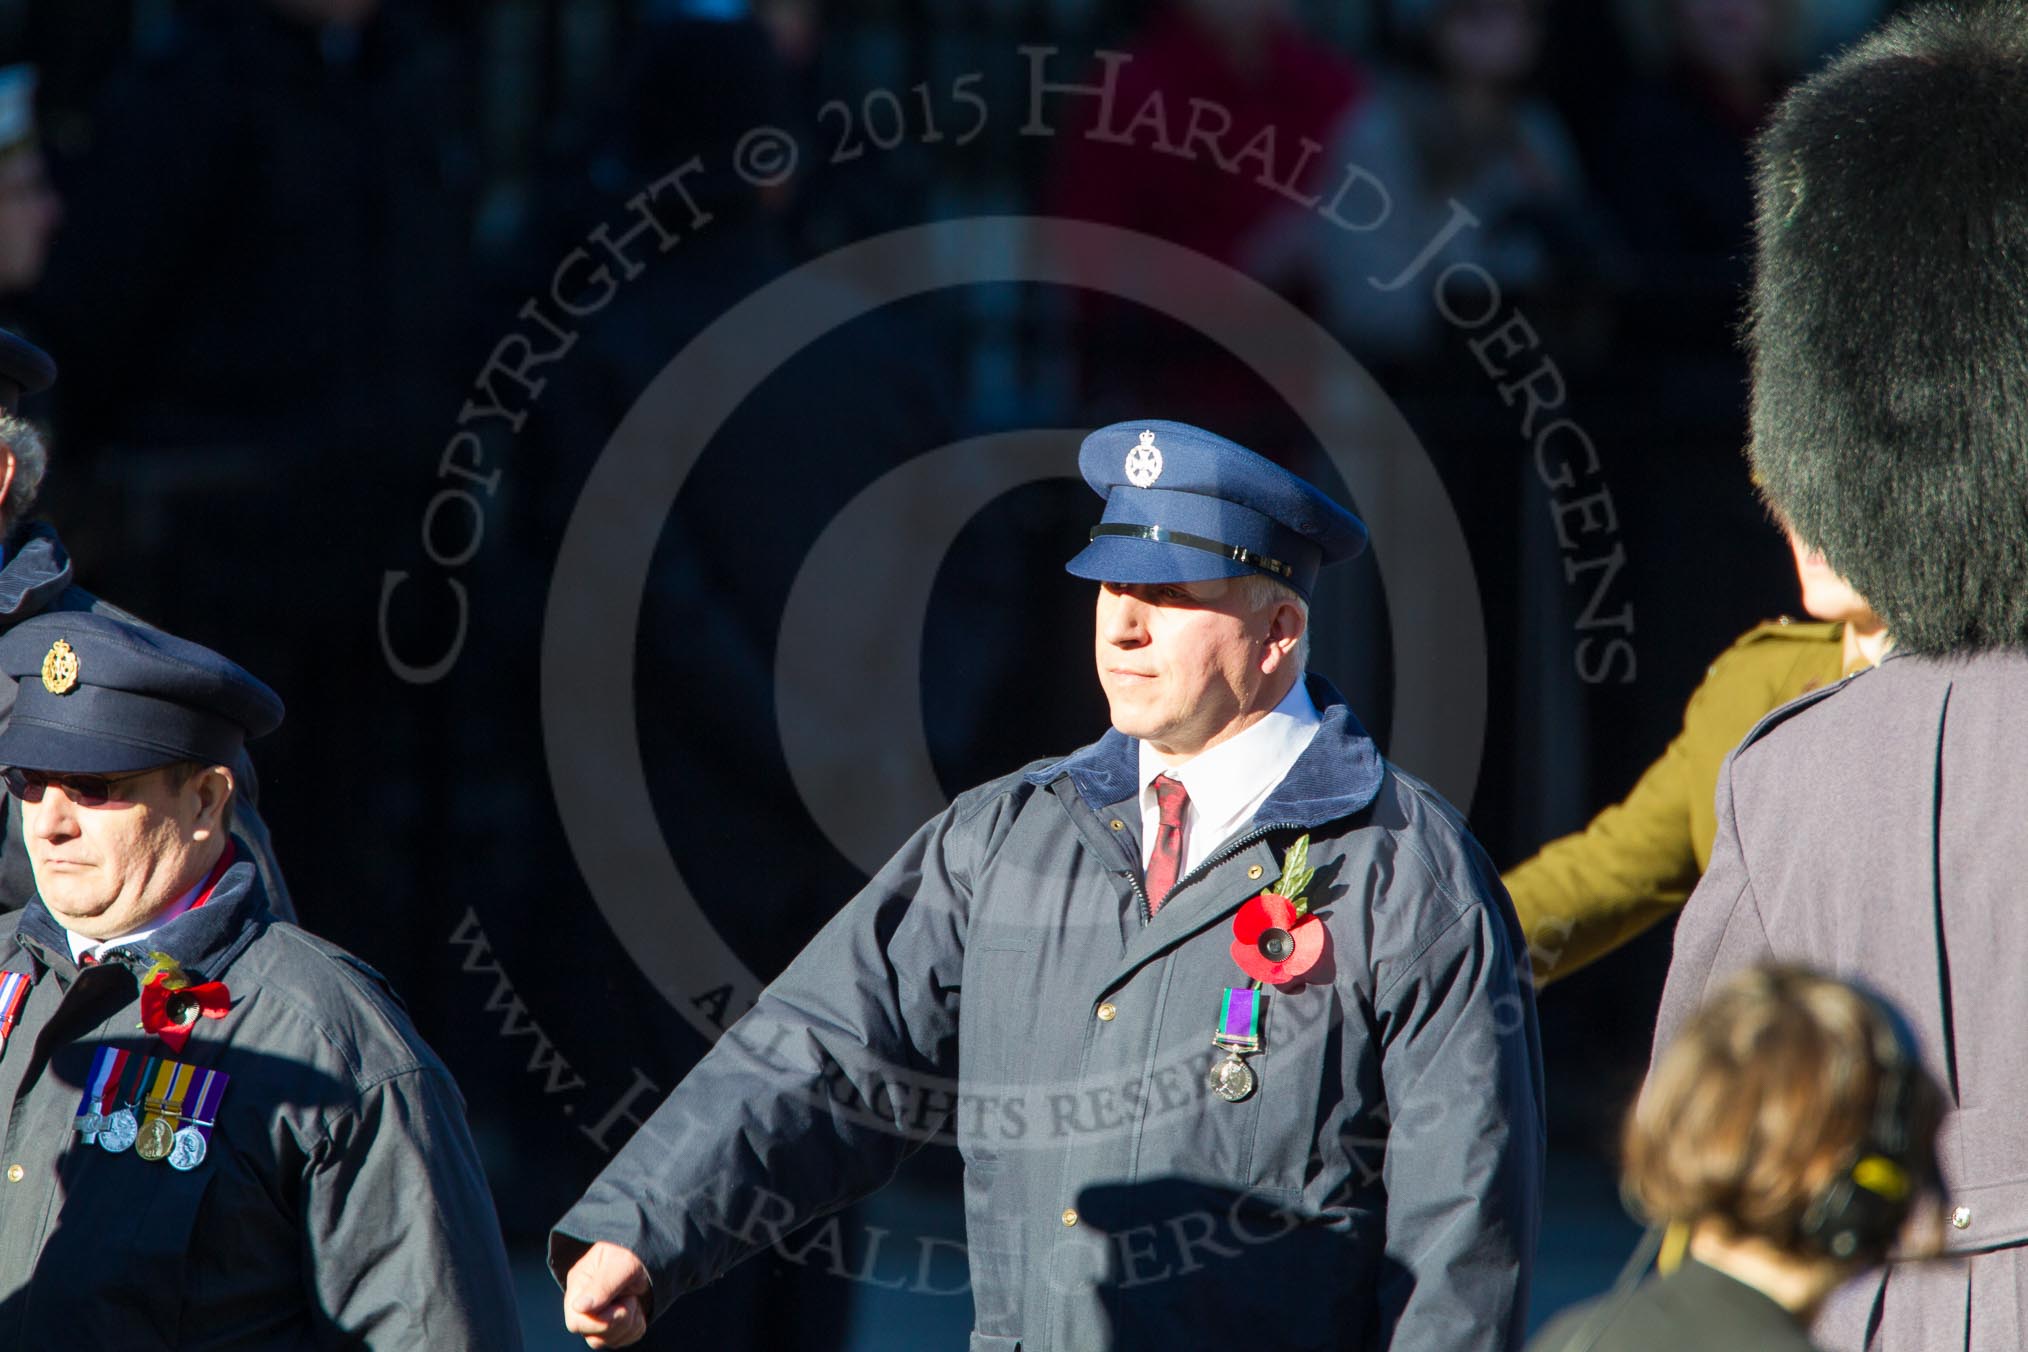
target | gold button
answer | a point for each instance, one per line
(14, 1173)
(1069, 1216)
(1253, 872)
(1106, 1012)
(1961, 1218)
(1119, 825)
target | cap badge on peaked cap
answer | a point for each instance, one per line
(59, 669)
(1144, 462)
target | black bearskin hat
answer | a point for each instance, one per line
(1889, 325)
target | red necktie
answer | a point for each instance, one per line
(1167, 860)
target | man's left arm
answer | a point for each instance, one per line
(401, 1245)
(1460, 1060)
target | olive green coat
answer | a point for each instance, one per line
(1635, 864)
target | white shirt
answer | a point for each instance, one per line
(1228, 783)
(80, 945)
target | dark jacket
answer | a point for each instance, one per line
(35, 577)
(1381, 1187)
(1874, 830)
(1693, 1309)
(341, 1202)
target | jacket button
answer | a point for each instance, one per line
(1107, 1013)
(1254, 872)
(15, 1173)
(1119, 825)
(1961, 1218)
(1069, 1216)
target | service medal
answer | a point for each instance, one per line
(120, 1130)
(188, 1150)
(193, 1141)
(1239, 1034)
(154, 1138)
(164, 1110)
(1232, 1079)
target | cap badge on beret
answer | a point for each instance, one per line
(59, 669)
(1144, 462)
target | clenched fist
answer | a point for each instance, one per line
(604, 1296)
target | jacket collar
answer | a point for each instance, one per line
(204, 942)
(1338, 773)
(37, 571)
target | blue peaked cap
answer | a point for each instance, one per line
(103, 696)
(1186, 505)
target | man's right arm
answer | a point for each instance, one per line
(1636, 862)
(1584, 895)
(842, 1069)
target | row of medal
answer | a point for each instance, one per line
(168, 1117)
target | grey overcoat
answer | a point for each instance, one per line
(1879, 830)
(998, 980)
(341, 1202)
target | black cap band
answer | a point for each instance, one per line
(1162, 535)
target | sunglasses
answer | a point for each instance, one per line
(81, 790)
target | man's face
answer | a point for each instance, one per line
(1186, 665)
(104, 871)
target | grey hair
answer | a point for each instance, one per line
(1259, 592)
(24, 440)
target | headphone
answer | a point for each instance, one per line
(1862, 1209)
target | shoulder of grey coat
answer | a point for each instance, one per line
(1781, 714)
(341, 1010)
(1410, 822)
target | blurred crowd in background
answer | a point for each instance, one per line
(271, 244)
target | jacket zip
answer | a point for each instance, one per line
(1218, 856)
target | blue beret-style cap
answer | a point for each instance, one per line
(1186, 505)
(98, 695)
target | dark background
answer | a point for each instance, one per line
(283, 236)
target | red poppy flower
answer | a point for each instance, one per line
(171, 1012)
(1271, 943)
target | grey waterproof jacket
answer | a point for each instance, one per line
(340, 1202)
(1000, 985)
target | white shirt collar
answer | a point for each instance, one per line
(80, 945)
(1228, 783)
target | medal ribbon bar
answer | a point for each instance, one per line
(204, 1102)
(179, 1089)
(105, 1076)
(1239, 1020)
(13, 995)
(156, 1077)
(109, 1092)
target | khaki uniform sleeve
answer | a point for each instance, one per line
(1584, 895)
(1636, 862)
